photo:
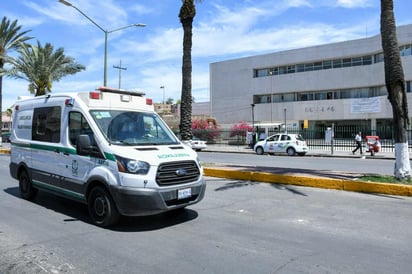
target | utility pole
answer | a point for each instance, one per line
(120, 68)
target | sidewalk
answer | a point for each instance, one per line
(312, 152)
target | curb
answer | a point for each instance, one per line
(318, 182)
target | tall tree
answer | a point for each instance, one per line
(41, 66)
(187, 14)
(11, 37)
(395, 84)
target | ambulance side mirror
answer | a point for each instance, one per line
(83, 145)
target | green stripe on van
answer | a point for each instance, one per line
(109, 156)
(58, 189)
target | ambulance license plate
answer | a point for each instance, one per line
(184, 193)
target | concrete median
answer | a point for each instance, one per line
(310, 181)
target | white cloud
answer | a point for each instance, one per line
(354, 3)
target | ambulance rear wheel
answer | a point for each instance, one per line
(102, 208)
(27, 191)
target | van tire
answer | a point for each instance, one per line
(27, 191)
(102, 208)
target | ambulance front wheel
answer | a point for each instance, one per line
(27, 191)
(102, 208)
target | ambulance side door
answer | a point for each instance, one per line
(77, 168)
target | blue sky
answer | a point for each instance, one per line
(223, 29)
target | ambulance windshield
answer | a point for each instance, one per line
(133, 128)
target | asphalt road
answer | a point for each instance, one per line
(240, 227)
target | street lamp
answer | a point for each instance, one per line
(253, 116)
(106, 32)
(163, 87)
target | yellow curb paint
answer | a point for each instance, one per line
(4, 151)
(337, 184)
(370, 187)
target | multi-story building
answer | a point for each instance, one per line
(341, 83)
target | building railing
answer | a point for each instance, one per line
(315, 138)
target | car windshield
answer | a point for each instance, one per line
(133, 128)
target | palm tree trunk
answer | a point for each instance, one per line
(395, 84)
(186, 97)
(1, 102)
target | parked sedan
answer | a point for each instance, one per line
(282, 143)
(198, 144)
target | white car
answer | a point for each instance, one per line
(282, 143)
(198, 144)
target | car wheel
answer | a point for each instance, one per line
(291, 151)
(102, 208)
(259, 150)
(27, 191)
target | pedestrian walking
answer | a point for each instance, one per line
(358, 140)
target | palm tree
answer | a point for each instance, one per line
(395, 84)
(41, 66)
(187, 14)
(10, 39)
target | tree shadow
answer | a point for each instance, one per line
(239, 184)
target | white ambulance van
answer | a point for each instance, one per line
(106, 148)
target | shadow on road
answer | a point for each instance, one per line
(75, 211)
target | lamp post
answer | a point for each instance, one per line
(163, 87)
(106, 32)
(253, 116)
(285, 119)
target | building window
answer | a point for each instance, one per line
(367, 60)
(327, 64)
(317, 65)
(309, 67)
(406, 50)
(346, 62)
(378, 57)
(357, 61)
(337, 63)
(300, 68)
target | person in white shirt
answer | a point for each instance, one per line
(358, 140)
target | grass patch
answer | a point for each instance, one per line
(385, 179)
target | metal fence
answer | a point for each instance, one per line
(343, 137)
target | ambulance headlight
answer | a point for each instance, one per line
(132, 166)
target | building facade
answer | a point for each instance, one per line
(341, 83)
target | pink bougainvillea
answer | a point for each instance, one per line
(240, 129)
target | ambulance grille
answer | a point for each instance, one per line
(174, 173)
